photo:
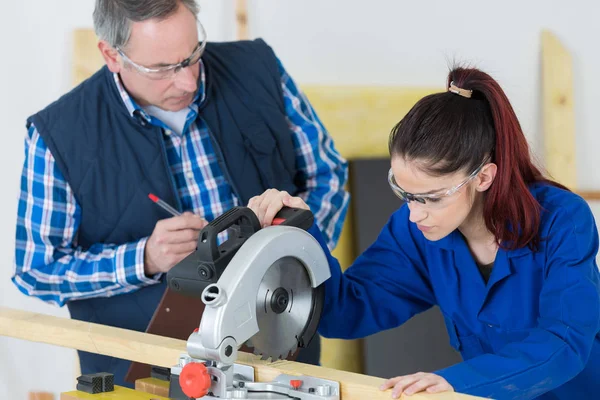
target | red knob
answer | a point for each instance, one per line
(295, 383)
(194, 380)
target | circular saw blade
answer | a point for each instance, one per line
(283, 308)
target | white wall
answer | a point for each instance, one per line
(351, 42)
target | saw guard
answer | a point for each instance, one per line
(230, 317)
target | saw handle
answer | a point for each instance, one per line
(297, 217)
(246, 224)
(205, 266)
(242, 218)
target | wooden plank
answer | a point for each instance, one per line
(86, 56)
(153, 386)
(241, 19)
(360, 118)
(161, 351)
(589, 195)
(559, 117)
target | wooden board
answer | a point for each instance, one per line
(589, 195)
(559, 117)
(165, 352)
(241, 19)
(86, 55)
(152, 386)
(360, 118)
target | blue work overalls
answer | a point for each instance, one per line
(533, 331)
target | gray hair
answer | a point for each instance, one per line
(113, 18)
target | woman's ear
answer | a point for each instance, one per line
(486, 177)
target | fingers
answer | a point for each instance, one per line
(267, 205)
(390, 383)
(420, 385)
(273, 207)
(171, 241)
(177, 251)
(411, 384)
(161, 257)
(180, 236)
(269, 200)
(403, 383)
(295, 202)
(440, 387)
(186, 220)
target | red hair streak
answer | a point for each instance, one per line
(511, 212)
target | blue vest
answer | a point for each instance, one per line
(112, 160)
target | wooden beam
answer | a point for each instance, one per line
(241, 18)
(559, 118)
(589, 195)
(164, 352)
(86, 56)
(153, 386)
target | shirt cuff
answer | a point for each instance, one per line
(130, 265)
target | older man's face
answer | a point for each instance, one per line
(158, 43)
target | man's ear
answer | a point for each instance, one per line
(110, 55)
(486, 177)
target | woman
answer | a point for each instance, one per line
(507, 255)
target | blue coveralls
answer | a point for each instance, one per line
(533, 331)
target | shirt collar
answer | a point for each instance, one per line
(133, 107)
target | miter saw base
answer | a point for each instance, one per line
(237, 382)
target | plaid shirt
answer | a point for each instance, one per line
(50, 265)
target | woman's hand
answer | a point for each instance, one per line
(411, 384)
(268, 204)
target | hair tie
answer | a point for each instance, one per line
(461, 92)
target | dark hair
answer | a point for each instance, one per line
(447, 132)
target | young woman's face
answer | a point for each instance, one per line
(440, 214)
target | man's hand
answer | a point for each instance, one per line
(411, 384)
(172, 240)
(268, 204)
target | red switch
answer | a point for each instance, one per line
(296, 383)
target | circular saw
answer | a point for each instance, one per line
(262, 287)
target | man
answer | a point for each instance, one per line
(204, 126)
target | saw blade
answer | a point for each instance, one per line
(283, 307)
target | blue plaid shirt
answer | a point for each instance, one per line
(50, 265)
